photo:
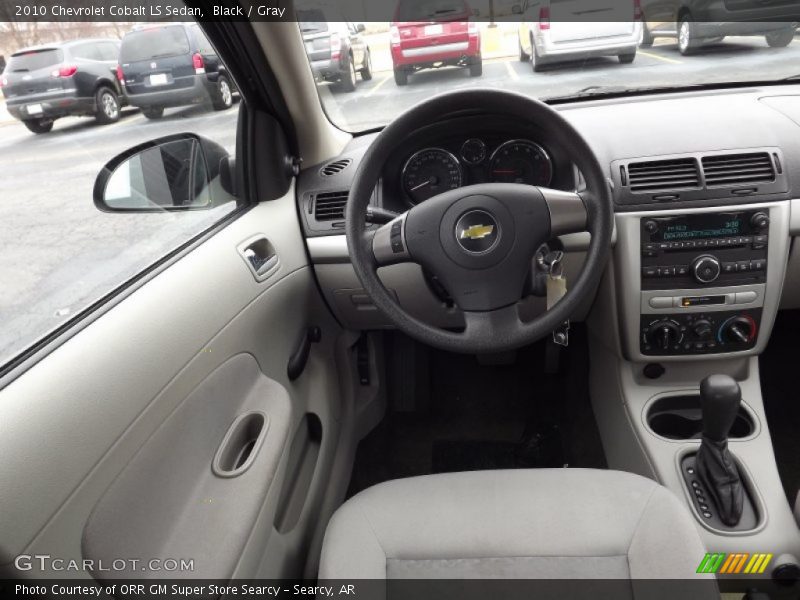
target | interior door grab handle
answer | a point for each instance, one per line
(260, 256)
(240, 445)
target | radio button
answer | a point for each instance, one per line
(649, 271)
(682, 270)
(666, 271)
(742, 266)
(758, 265)
(759, 241)
(729, 267)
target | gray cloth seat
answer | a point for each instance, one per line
(520, 524)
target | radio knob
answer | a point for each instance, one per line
(651, 226)
(760, 220)
(706, 269)
(664, 334)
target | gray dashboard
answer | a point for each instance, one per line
(630, 135)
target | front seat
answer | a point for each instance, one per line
(516, 524)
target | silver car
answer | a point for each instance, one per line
(553, 31)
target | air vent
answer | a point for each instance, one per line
(335, 167)
(655, 175)
(329, 206)
(738, 169)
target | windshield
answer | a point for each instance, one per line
(541, 49)
(153, 43)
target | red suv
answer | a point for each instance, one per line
(429, 34)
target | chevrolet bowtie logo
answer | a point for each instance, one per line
(476, 232)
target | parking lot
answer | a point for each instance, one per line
(58, 253)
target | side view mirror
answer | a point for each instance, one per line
(361, 28)
(166, 174)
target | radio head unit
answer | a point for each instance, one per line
(698, 250)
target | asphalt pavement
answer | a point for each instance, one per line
(58, 253)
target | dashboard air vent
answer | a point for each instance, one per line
(329, 206)
(654, 175)
(335, 167)
(738, 169)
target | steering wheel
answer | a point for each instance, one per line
(479, 240)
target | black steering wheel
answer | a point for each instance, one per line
(479, 240)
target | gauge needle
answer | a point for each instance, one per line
(421, 185)
(504, 172)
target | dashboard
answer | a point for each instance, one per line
(704, 225)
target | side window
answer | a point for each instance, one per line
(109, 51)
(201, 41)
(60, 256)
(86, 51)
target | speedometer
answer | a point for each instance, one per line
(430, 172)
(521, 161)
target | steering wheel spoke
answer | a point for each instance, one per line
(389, 243)
(568, 212)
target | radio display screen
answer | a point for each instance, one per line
(684, 232)
(696, 227)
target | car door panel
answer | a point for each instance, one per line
(190, 471)
(81, 415)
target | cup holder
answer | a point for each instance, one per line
(680, 418)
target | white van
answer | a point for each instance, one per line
(559, 30)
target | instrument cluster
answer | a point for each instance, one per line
(437, 169)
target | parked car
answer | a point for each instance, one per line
(44, 83)
(553, 31)
(162, 66)
(336, 49)
(429, 34)
(695, 24)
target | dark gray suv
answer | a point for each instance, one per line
(44, 83)
(172, 65)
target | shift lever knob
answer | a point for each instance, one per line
(720, 397)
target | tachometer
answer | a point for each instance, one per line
(521, 161)
(430, 172)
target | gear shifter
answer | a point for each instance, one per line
(720, 397)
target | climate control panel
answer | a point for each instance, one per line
(699, 333)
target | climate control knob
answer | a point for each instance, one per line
(706, 269)
(738, 330)
(702, 328)
(663, 335)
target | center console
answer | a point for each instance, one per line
(699, 252)
(700, 282)
(695, 292)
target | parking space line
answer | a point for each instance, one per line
(378, 86)
(659, 57)
(511, 72)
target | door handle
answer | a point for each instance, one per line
(260, 257)
(240, 445)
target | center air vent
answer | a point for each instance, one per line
(655, 175)
(329, 206)
(738, 169)
(335, 167)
